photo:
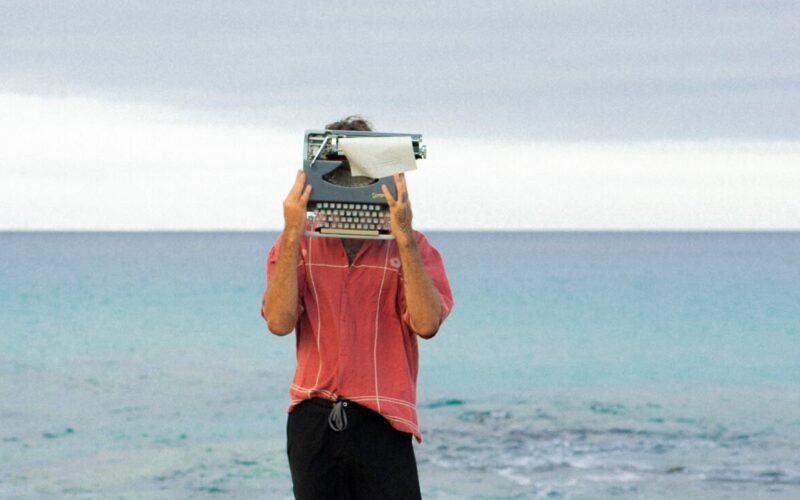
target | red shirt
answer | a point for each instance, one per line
(353, 336)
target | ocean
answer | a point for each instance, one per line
(574, 365)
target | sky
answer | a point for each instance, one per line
(537, 115)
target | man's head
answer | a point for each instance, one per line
(352, 122)
(342, 175)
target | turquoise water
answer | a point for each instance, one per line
(574, 365)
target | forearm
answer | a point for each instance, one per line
(422, 298)
(280, 300)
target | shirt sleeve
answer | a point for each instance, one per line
(272, 260)
(434, 266)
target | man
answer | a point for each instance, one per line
(357, 308)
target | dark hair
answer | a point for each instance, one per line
(352, 122)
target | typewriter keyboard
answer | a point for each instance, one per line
(349, 220)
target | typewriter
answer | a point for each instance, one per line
(343, 205)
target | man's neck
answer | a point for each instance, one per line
(351, 248)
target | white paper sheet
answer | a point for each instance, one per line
(378, 157)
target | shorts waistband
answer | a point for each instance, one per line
(328, 404)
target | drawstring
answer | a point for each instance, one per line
(337, 419)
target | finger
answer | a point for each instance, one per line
(402, 190)
(306, 194)
(297, 188)
(388, 195)
(399, 181)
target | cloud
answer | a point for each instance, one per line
(77, 164)
(511, 69)
(608, 186)
(86, 164)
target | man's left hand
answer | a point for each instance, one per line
(400, 209)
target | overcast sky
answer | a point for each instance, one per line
(581, 114)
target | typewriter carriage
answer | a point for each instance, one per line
(323, 144)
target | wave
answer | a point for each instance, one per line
(531, 446)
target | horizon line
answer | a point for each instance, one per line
(425, 230)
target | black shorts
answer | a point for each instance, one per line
(369, 459)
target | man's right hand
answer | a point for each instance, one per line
(294, 206)
(279, 304)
